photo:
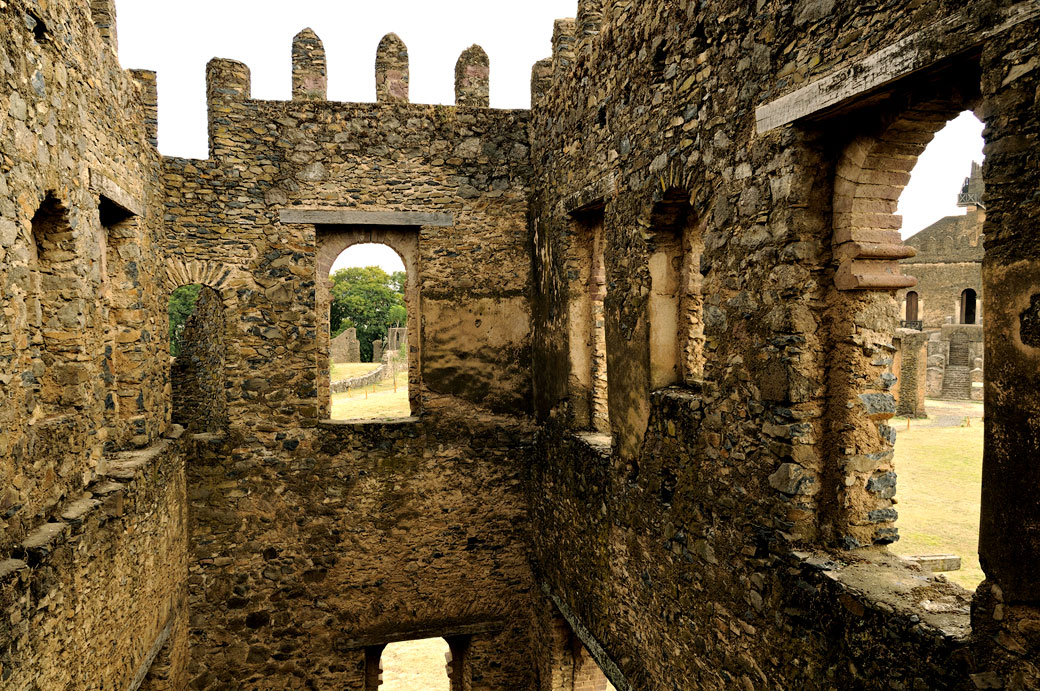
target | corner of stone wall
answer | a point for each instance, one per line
(147, 80)
(564, 36)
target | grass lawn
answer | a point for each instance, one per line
(374, 402)
(349, 370)
(939, 463)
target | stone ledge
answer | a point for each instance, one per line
(598, 442)
(338, 425)
(102, 500)
(872, 579)
(100, 184)
(355, 217)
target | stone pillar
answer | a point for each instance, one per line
(472, 78)
(541, 80)
(1006, 609)
(392, 70)
(104, 14)
(147, 81)
(590, 17)
(309, 73)
(912, 359)
(563, 45)
(1009, 544)
(227, 83)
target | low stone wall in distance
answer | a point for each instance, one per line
(371, 379)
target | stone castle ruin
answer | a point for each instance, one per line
(941, 336)
(651, 325)
(345, 347)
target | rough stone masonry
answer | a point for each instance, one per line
(650, 343)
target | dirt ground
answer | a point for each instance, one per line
(415, 666)
(939, 463)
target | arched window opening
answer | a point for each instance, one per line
(63, 380)
(938, 453)
(370, 347)
(911, 307)
(676, 330)
(969, 305)
(587, 288)
(425, 665)
(197, 366)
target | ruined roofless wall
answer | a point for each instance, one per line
(313, 541)
(345, 347)
(701, 564)
(92, 540)
(469, 163)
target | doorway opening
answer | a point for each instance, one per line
(938, 456)
(422, 665)
(197, 372)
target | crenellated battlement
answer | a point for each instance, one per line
(309, 69)
(228, 81)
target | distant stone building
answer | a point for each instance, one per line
(946, 303)
(345, 347)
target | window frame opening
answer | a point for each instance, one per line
(872, 171)
(120, 292)
(333, 241)
(675, 308)
(588, 379)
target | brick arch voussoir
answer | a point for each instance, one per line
(221, 277)
(870, 176)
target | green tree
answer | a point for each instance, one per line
(182, 304)
(370, 300)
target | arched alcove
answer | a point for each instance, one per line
(871, 175)
(62, 382)
(198, 370)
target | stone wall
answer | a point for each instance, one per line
(734, 513)
(471, 293)
(379, 532)
(197, 375)
(93, 538)
(90, 598)
(82, 338)
(345, 347)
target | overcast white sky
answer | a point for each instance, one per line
(177, 39)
